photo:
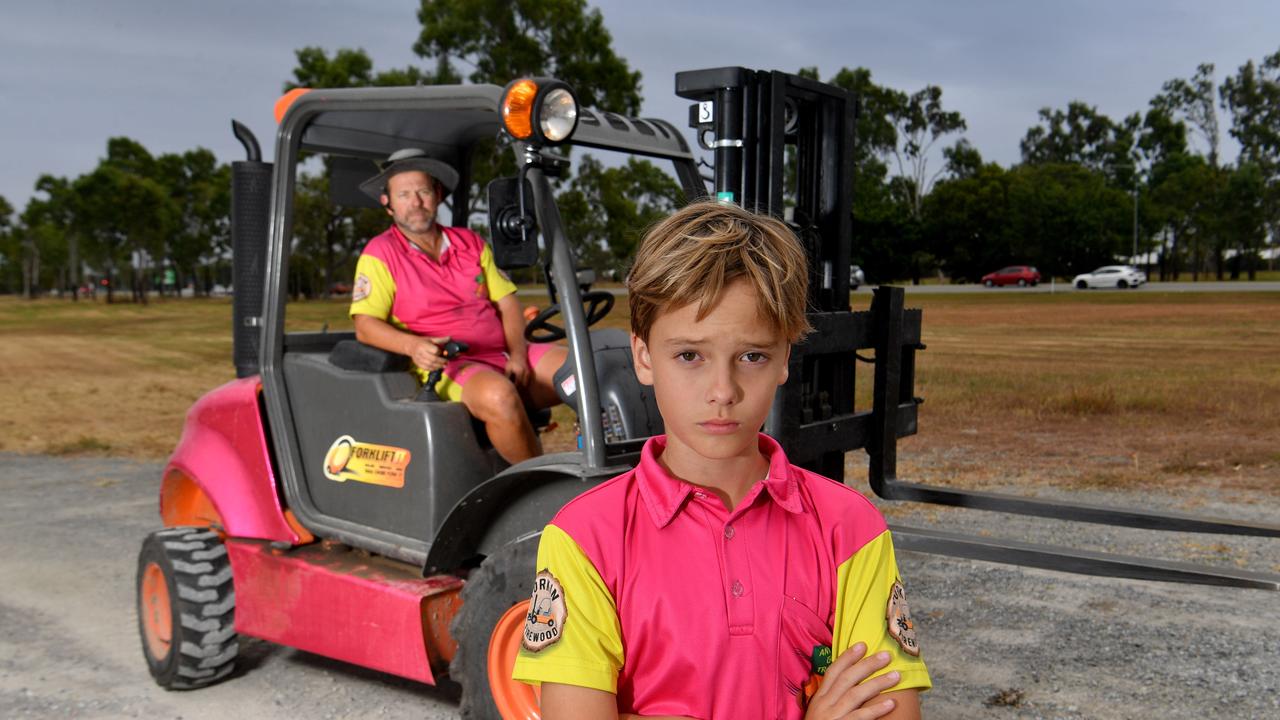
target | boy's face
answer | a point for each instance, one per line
(714, 378)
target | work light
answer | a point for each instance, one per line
(541, 111)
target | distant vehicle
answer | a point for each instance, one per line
(856, 277)
(1116, 276)
(1142, 275)
(220, 290)
(1020, 275)
(340, 288)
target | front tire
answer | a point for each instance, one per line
(186, 608)
(988, 283)
(487, 628)
(1123, 284)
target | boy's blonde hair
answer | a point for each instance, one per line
(699, 250)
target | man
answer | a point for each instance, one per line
(420, 284)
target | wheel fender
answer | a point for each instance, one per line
(221, 473)
(514, 504)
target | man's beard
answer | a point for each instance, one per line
(417, 223)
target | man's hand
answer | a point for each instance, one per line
(427, 353)
(847, 693)
(518, 370)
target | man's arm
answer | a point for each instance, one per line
(425, 352)
(513, 322)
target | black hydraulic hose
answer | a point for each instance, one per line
(246, 138)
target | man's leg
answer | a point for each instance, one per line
(542, 390)
(494, 400)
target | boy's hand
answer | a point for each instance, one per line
(847, 693)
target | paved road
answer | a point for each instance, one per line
(1166, 287)
(1052, 645)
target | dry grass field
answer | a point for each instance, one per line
(1078, 390)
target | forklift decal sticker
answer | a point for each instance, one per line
(898, 614)
(349, 459)
(545, 622)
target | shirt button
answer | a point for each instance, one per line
(737, 589)
(728, 532)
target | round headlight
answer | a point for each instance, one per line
(559, 115)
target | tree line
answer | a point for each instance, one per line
(1089, 189)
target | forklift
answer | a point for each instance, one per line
(322, 501)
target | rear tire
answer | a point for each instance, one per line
(186, 608)
(1082, 285)
(988, 283)
(503, 580)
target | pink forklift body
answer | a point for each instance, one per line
(344, 605)
(223, 450)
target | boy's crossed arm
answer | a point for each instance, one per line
(846, 694)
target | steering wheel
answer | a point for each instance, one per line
(596, 304)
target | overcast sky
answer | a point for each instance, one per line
(172, 73)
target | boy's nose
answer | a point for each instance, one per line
(723, 389)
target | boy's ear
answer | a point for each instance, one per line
(641, 360)
(786, 365)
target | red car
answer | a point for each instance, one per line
(1020, 275)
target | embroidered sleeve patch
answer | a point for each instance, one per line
(901, 627)
(362, 288)
(544, 624)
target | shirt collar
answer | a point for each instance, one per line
(665, 495)
(410, 247)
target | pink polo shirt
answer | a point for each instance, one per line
(452, 296)
(649, 588)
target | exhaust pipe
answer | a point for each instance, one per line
(250, 224)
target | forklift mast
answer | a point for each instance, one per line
(749, 119)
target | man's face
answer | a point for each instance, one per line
(714, 378)
(412, 199)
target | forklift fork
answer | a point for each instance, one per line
(895, 347)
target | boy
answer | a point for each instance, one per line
(715, 580)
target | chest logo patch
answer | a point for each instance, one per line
(901, 627)
(544, 624)
(362, 288)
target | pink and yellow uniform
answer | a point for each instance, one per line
(650, 588)
(453, 297)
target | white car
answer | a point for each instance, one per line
(1117, 276)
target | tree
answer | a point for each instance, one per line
(1066, 218)
(200, 190)
(920, 122)
(349, 68)
(1182, 198)
(328, 237)
(1084, 136)
(505, 39)
(1253, 97)
(967, 224)
(606, 210)
(1194, 101)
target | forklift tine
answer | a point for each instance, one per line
(1079, 512)
(1083, 562)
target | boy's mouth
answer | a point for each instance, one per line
(718, 427)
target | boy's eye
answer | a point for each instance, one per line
(754, 357)
(687, 356)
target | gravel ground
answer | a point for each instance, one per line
(1001, 641)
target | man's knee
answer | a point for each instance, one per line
(496, 400)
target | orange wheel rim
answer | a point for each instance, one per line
(515, 700)
(157, 617)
